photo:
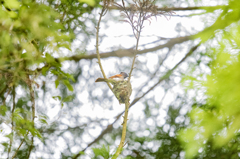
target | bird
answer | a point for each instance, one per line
(112, 79)
(122, 89)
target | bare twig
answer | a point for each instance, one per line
(4, 101)
(33, 112)
(103, 12)
(136, 49)
(18, 148)
(13, 108)
(154, 74)
(212, 8)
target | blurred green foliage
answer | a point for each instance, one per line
(217, 121)
(102, 151)
(32, 35)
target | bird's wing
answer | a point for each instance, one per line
(116, 76)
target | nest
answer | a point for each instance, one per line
(122, 90)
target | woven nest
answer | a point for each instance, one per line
(122, 90)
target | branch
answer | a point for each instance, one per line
(33, 112)
(103, 12)
(18, 148)
(107, 130)
(4, 100)
(124, 131)
(154, 74)
(208, 8)
(126, 52)
(13, 108)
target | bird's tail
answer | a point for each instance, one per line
(112, 81)
(101, 80)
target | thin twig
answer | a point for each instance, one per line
(154, 74)
(134, 58)
(212, 8)
(139, 29)
(104, 9)
(20, 145)
(33, 112)
(18, 148)
(3, 90)
(103, 12)
(4, 101)
(13, 108)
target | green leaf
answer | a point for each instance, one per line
(43, 119)
(56, 82)
(49, 58)
(57, 97)
(70, 77)
(65, 45)
(3, 110)
(55, 72)
(68, 85)
(38, 134)
(68, 98)
(44, 70)
(102, 151)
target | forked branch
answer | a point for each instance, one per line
(140, 11)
